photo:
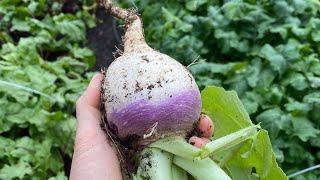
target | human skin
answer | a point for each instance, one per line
(94, 157)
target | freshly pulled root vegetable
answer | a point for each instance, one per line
(147, 95)
(151, 104)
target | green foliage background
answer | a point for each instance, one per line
(266, 50)
(43, 62)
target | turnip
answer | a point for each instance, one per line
(146, 94)
(151, 103)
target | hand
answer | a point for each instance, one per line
(94, 157)
(205, 129)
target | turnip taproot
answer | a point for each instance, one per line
(146, 94)
(151, 103)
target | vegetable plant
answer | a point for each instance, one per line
(44, 61)
(151, 102)
(267, 51)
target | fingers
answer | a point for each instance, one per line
(205, 128)
(91, 96)
(198, 142)
(93, 156)
(87, 107)
(89, 102)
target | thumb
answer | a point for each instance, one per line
(87, 107)
(94, 157)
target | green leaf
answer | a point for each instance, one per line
(194, 4)
(312, 98)
(266, 78)
(20, 25)
(71, 27)
(296, 80)
(290, 51)
(225, 109)
(257, 153)
(297, 108)
(315, 24)
(33, 6)
(314, 81)
(273, 120)
(224, 69)
(253, 100)
(251, 106)
(277, 61)
(41, 78)
(253, 73)
(6, 146)
(236, 10)
(59, 176)
(228, 115)
(21, 117)
(19, 170)
(315, 68)
(303, 128)
(24, 149)
(85, 54)
(241, 173)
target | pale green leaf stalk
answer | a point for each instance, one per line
(177, 146)
(204, 169)
(178, 173)
(155, 164)
(227, 142)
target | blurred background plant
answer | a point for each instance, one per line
(43, 64)
(266, 50)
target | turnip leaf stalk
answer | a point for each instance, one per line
(228, 141)
(155, 164)
(179, 173)
(177, 145)
(205, 169)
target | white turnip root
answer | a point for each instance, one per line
(151, 103)
(147, 95)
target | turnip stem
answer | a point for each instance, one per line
(227, 141)
(134, 40)
(119, 12)
(155, 164)
(204, 169)
(177, 146)
(178, 173)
